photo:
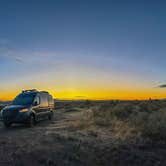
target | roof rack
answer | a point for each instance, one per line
(30, 90)
(44, 91)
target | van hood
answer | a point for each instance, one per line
(14, 107)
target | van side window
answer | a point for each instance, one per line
(44, 101)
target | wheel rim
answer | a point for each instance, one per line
(32, 121)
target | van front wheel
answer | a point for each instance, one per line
(31, 121)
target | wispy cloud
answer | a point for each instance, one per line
(7, 52)
(10, 55)
(162, 86)
(19, 59)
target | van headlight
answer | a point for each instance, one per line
(24, 110)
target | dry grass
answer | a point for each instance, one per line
(126, 120)
(91, 133)
(131, 121)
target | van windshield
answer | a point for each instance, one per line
(24, 99)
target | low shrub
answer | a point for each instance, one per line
(154, 127)
(144, 120)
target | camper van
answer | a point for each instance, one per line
(29, 107)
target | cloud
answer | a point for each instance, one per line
(7, 52)
(11, 55)
(18, 59)
(162, 86)
(42, 58)
(80, 96)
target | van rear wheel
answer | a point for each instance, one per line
(50, 116)
(31, 121)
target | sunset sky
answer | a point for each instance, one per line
(83, 49)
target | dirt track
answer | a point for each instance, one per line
(48, 143)
(56, 142)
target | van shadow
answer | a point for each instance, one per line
(23, 126)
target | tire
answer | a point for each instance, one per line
(50, 116)
(7, 124)
(31, 121)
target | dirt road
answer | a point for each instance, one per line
(48, 143)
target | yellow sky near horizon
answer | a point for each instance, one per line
(78, 84)
(104, 94)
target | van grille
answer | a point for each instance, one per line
(9, 114)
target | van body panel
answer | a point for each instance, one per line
(30, 102)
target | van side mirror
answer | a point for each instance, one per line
(35, 103)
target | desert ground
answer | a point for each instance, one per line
(113, 133)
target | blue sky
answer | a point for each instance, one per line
(68, 46)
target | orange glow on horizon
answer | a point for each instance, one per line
(95, 95)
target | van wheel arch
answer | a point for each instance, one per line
(31, 120)
(51, 114)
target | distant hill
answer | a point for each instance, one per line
(3, 104)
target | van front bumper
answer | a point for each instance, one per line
(20, 117)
